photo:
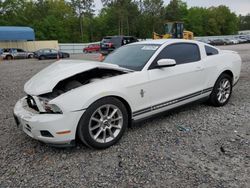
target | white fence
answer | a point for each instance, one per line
(74, 48)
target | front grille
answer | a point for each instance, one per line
(31, 103)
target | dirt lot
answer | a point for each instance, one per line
(214, 152)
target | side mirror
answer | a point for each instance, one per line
(165, 63)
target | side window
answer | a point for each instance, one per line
(14, 51)
(181, 53)
(53, 51)
(20, 50)
(210, 50)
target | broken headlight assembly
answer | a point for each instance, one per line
(49, 108)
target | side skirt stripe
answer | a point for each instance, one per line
(168, 103)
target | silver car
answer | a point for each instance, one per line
(15, 53)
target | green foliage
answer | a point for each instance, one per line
(176, 10)
(244, 22)
(213, 21)
(75, 21)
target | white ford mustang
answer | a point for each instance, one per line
(96, 101)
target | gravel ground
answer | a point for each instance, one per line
(214, 152)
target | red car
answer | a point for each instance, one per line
(92, 48)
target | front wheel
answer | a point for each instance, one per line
(30, 56)
(222, 91)
(41, 57)
(103, 123)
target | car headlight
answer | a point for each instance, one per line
(49, 108)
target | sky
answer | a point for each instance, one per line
(238, 6)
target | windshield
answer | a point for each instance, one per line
(132, 56)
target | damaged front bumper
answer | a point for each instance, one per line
(55, 129)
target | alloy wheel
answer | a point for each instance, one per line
(105, 123)
(224, 90)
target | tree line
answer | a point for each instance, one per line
(77, 21)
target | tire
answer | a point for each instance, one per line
(41, 57)
(222, 91)
(95, 128)
(30, 56)
(9, 57)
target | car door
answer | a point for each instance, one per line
(91, 48)
(53, 54)
(46, 53)
(21, 54)
(180, 82)
(14, 53)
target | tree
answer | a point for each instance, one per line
(153, 16)
(196, 21)
(83, 8)
(244, 22)
(123, 10)
(176, 10)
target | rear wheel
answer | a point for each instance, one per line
(9, 57)
(103, 123)
(222, 91)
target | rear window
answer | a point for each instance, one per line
(116, 41)
(6, 50)
(106, 40)
(211, 51)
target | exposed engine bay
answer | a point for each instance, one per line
(81, 79)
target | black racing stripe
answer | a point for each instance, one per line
(144, 110)
(187, 96)
(168, 103)
(207, 90)
(171, 102)
(141, 112)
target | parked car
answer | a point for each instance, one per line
(229, 41)
(216, 42)
(204, 40)
(50, 54)
(15, 53)
(235, 41)
(241, 40)
(92, 48)
(110, 43)
(97, 101)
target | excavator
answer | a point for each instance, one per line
(174, 30)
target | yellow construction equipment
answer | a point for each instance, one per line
(174, 30)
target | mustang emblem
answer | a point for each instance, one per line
(142, 92)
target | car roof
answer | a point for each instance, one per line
(163, 41)
(171, 41)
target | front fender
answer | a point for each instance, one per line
(82, 98)
(105, 94)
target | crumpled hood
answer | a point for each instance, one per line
(45, 80)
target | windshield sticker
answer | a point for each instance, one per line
(149, 47)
